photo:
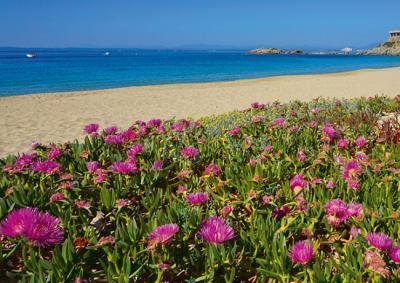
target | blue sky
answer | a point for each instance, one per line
(173, 23)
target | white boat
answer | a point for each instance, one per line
(30, 55)
(107, 53)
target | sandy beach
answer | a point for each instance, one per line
(60, 117)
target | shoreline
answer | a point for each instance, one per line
(60, 117)
(191, 84)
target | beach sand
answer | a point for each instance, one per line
(60, 117)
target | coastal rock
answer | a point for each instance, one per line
(266, 51)
(389, 48)
(274, 51)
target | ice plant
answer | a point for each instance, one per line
(197, 198)
(360, 142)
(380, 241)
(158, 165)
(215, 230)
(163, 234)
(374, 262)
(91, 128)
(329, 132)
(57, 197)
(40, 229)
(92, 166)
(394, 254)
(189, 152)
(47, 167)
(298, 183)
(213, 169)
(302, 252)
(124, 168)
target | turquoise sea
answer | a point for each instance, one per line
(55, 70)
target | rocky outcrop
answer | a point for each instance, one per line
(274, 51)
(390, 48)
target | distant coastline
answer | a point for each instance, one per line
(91, 69)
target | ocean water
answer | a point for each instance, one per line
(56, 70)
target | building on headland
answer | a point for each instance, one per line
(394, 35)
(347, 50)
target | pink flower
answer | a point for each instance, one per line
(256, 105)
(330, 184)
(280, 212)
(216, 230)
(111, 130)
(279, 122)
(394, 254)
(47, 167)
(91, 128)
(114, 139)
(226, 210)
(213, 169)
(101, 176)
(163, 233)
(329, 132)
(374, 262)
(181, 189)
(235, 131)
(313, 124)
(360, 142)
(153, 123)
(158, 165)
(197, 198)
(82, 204)
(258, 119)
(164, 266)
(135, 150)
(107, 240)
(268, 148)
(380, 241)
(343, 143)
(129, 135)
(338, 103)
(301, 156)
(124, 168)
(302, 252)
(351, 170)
(189, 152)
(57, 197)
(38, 228)
(92, 166)
(354, 232)
(54, 153)
(297, 183)
(267, 199)
(122, 202)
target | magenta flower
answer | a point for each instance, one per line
(337, 212)
(47, 167)
(354, 232)
(114, 139)
(360, 142)
(351, 170)
(268, 148)
(380, 241)
(124, 168)
(154, 123)
(135, 150)
(329, 132)
(189, 152)
(163, 233)
(111, 130)
(235, 131)
(216, 230)
(92, 166)
(181, 189)
(302, 252)
(164, 266)
(129, 135)
(25, 159)
(280, 212)
(197, 198)
(330, 184)
(213, 169)
(54, 153)
(343, 143)
(279, 122)
(91, 128)
(57, 197)
(297, 183)
(394, 254)
(258, 119)
(301, 156)
(158, 165)
(257, 105)
(40, 229)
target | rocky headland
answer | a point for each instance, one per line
(274, 51)
(389, 48)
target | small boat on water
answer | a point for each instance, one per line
(107, 53)
(29, 55)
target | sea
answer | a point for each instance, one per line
(75, 69)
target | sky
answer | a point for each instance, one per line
(307, 24)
